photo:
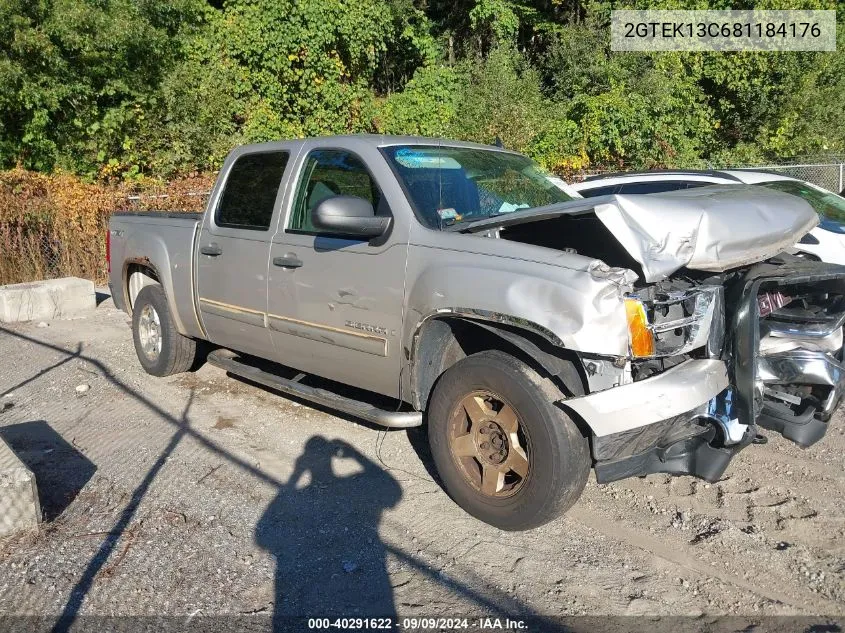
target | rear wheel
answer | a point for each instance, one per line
(161, 350)
(505, 452)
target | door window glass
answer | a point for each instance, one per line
(250, 191)
(327, 173)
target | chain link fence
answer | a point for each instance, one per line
(37, 251)
(826, 175)
(142, 202)
(55, 225)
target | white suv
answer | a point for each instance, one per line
(825, 242)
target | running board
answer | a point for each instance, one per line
(228, 360)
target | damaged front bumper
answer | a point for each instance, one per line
(781, 367)
(676, 422)
(687, 444)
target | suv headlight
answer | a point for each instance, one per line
(675, 322)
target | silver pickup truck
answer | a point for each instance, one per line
(537, 334)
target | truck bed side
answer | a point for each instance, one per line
(156, 246)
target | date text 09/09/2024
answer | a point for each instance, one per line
(418, 624)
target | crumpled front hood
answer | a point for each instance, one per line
(712, 228)
(706, 228)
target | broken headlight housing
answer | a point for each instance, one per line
(672, 322)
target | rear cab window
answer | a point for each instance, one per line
(249, 195)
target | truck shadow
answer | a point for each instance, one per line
(60, 470)
(418, 439)
(324, 526)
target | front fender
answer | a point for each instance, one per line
(580, 309)
(570, 308)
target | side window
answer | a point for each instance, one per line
(250, 191)
(599, 191)
(655, 186)
(327, 173)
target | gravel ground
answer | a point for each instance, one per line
(201, 494)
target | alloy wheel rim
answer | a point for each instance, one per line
(489, 445)
(149, 332)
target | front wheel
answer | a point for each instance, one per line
(505, 452)
(160, 348)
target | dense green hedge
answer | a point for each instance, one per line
(118, 88)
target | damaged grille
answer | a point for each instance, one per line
(800, 352)
(786, 350)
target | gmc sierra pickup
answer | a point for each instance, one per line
(537, 334)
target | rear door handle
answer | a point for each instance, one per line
(211, 249)
(288, 261)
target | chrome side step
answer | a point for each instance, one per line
(228, 361)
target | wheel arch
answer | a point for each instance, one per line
(156, 269)
(137, 274)
(443, 338)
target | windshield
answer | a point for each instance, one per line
(828, 205)
(450, 185)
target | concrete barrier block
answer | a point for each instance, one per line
(20, 509)
(45, 300)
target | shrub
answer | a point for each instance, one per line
(55, 225)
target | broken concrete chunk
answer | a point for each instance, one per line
(20, 509)
(44, 300)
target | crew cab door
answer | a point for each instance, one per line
(233, 250)
(335, 302)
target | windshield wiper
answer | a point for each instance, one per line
(489, 221)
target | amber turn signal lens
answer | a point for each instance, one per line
(642, 340)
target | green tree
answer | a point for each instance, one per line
(76, 76)
(313, 61)
(426, 107)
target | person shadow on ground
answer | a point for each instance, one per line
(322, 529)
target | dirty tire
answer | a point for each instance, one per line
(177, 351)
(558, 454)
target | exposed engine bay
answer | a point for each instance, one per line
(780, 333)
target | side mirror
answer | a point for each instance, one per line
(349, 215)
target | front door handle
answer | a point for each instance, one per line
(211, 249)
(288, 261)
